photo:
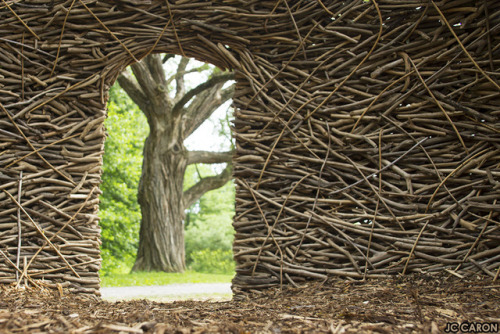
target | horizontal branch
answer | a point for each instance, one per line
(206, 157)
(206, 184)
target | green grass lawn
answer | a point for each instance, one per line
(161, 278)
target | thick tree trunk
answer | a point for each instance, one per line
(161, 243)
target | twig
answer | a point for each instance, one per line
(316, 197)
(19, 223)
(21, 20)
(463, 47)
(31, 145)
(439, 105)
(381, 170)
(61, 37)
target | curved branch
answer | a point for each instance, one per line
(206, 157)
(192, 70)
(206, 184)
(178, 107)
(180, 87)
(132, 88)
(144, 79)
(167, 57)
(203, 106)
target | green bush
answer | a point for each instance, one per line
(120, 213)
(213, 261)
(209, 232)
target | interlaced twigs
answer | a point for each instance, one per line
(365, 179)
(315, 198)
(21, 20)
(314, 80)
(477, 239)
(22, 68)
(61, 37)
(463, 47)
(270, 231)
(159, 38)
(81, 84)
(357, 67)
(41, 149)
(374, 219)
(17, 268)
(295, 26)
(407, 75)
(381, 170)
(269, 228)
(439, 105)
(109, 31)
(325, 8)
(61, 229)
(174, 29)
(329, 96)
(282, 69)
(451, 174)
(41, 232)
(31, 145)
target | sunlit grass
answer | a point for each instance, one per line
(161, 278)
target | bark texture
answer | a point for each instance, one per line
(171, 119)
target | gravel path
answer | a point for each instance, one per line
(194, 291)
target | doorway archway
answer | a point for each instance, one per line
(366, 132)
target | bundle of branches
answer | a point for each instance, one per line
(367, 131)
(381, 154)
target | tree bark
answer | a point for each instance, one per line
(161, 240)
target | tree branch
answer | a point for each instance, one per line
(195, 69)
(204, 185)
(178, 107)
(155, 65)
(180, 88)
(167, 57)
(144, 79)
(203, 105)
(155, 92)
(206, 157)
(133, 90)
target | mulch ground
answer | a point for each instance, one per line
(416, 304)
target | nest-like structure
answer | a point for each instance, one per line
(368, 141)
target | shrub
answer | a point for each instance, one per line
(213, 261)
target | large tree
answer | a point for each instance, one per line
(172, 114)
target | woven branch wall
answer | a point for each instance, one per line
(368, 141)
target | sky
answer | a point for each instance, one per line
(206, 137)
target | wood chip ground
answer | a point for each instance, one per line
(420, 304)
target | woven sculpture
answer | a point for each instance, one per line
(367, 132)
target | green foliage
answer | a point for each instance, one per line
(216, 261)
(209, 233)
(119, 211)
(161, 278)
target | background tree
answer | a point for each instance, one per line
(172, 115)
(208, 224)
